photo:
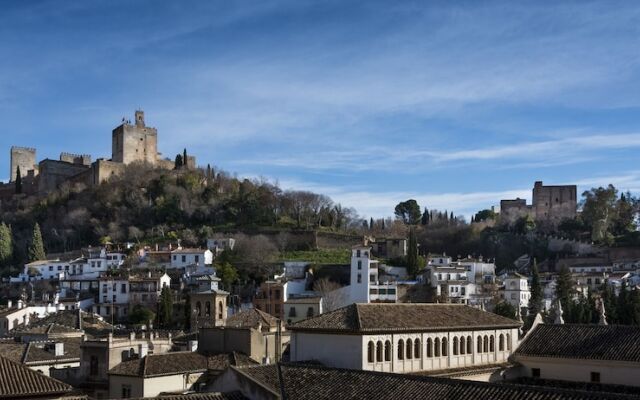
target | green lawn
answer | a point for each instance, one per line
(326, 256)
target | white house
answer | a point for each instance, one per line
(516, 290)
(181, 258)
(405, 338)
(364, 285)
(606, 354)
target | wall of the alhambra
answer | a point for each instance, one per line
(53, 173)
(134, 143)
(104, 169)
(22, 157)
(82, 159)
(555, 202)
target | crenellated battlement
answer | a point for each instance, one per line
(20, 148)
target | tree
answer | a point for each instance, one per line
(564, 290)
(535, 301)
(525, 224)
(425, 217)
(484, 215)
(165, 308)
(598, 211)
(18, 181)
(413, 266)
(610, 302)
(332, 297)
(371, 224)
(36, 247)
(451, 218)
(408, 211)
(185, 159)
(6, 245)
(505, 309)
(141, 315)
(178, 162)
(228, 275)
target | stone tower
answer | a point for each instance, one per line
(554, 203)
(25, 158)
(136, 142)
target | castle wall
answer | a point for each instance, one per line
(53, 173)
(512, 210)
(81, 159)
(102, 170)
(25, 158)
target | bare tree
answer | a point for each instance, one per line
(332, 295)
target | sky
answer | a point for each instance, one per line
(455, 104)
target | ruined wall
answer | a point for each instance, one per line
(554, 203)
(53, 173)
(25, 158)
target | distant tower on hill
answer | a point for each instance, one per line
(25, 158)
(136, 142)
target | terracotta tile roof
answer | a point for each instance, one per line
(67, 321)
(591, 342)
(201, 396)
(265, 375)
(251, 318)
(12, 350)
(36, 352)
(363, 318)
(17, 380)
(301, 382)
(179, 362)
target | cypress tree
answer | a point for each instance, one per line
(564, 289)
(165, 307)
(383, 227)
(18, 181)
(371, 224)
(185, 158)
(412, 254)
(178, 162)
(610, 302)
(425, 217)
(451, 216)
(36, 247)
(535, 301)
(6, 245)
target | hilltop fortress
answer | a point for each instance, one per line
(129, 143)
(551, 204)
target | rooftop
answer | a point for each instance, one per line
(17, 381)
(251, 318)
(588, 342)
(397, 317)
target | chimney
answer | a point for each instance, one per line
(192, 345)
(9, 304)
(20, 304)
(57, 349)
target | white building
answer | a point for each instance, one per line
(460, 281)
(605, 354)
(218, 245)
(404, 338)
(364, 284)
(181, 258)
(516, 290)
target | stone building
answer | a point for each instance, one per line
(550, 204)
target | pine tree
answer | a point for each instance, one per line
(412, 254)
(178, 163)
(535, 301)
(6, 245)
(36, 247)
(18, 181)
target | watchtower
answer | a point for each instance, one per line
(135, 142)
(25, 158)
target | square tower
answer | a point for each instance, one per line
(25, 158)
(136, 142)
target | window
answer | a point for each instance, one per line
(379, 351)
(400, 349)
(492, 346)
(199, 309)
(387, 351)
(207, 309)
(220, 310)
(479, 341)
(535, 372)
(436, 347)
(357, 253)
(59, 268)
(197, 259)
(416, 348)
(123, 288)
(595, 377)
(508, 342)
(370, 352)
(455, 346)
(501, 343)
(359, 264)
(50, 267)
(175, 258)
(445, 351)
(292, 312)
(409, 349)
(309, 312)
(184, 258)
(126, 391)
(462, 346)
(359, 278)
(429, 348)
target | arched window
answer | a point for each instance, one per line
(400, 349)
(486, 344)
(462, 346)
(370, 352)
(501, 342)
(416, 348)
(207, 309)
(455, 346)
(220, 310)
(445, 348)
(409, 349)
(429, 348)
(469, 345)
(492, 345)
(387, 351)
(199, 309)
(479, 344)
(436, 347)
(379, 351)
(508, 342)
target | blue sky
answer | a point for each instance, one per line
(456, 104)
